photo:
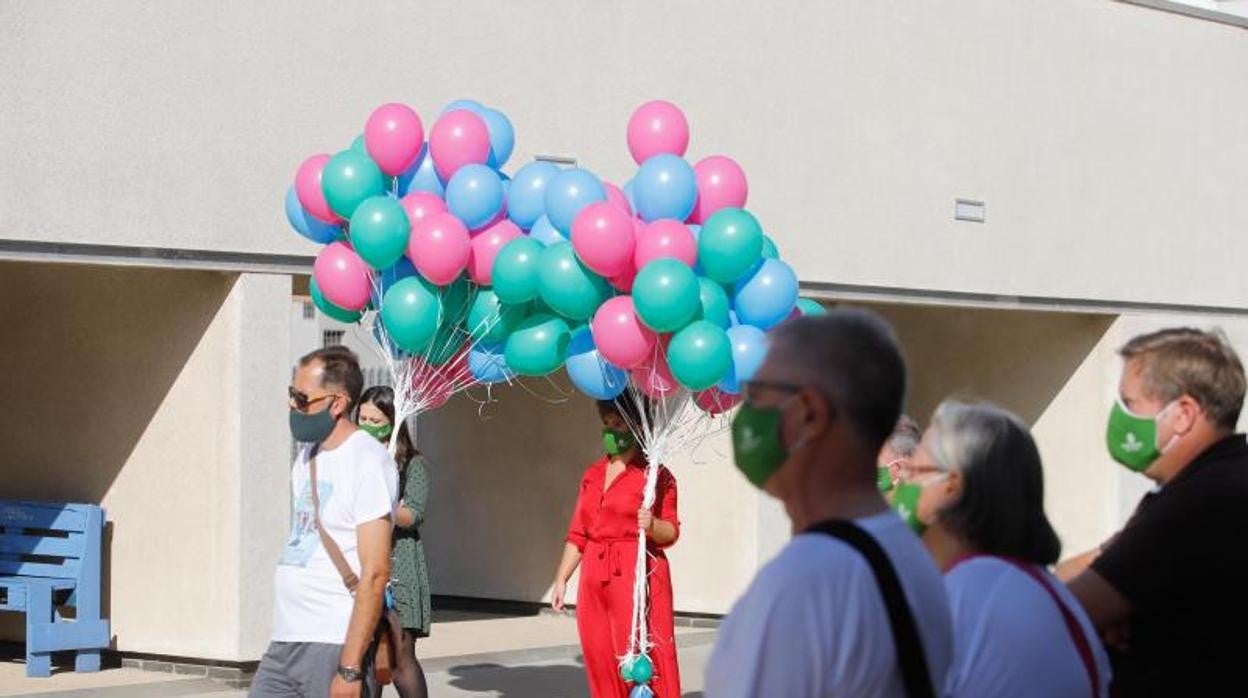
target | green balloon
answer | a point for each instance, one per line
(810, 306)
(770, 251)
(348, 179)
(490, 320)
(538, 345)
(666, 295)
(715, 304)
(515, 272)
(567, 285)
(730, 244)
(457, 298)
(379, 230)
(699, 355)
(410, 314)
(331, 310)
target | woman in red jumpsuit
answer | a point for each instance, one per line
(602, 540)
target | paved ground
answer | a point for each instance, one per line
(468, 655)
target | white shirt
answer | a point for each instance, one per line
(1010, 638)
(813, 622)
(357, 482)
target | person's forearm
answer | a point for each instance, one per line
(1068, 569)
(406, 517)
(364, 615)
(568, 564)
(663, 532)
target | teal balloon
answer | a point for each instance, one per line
(457, 298)
(639, 670)
(515, 272)
(666, 295)
(379, 230)
(730, 244)
(714, 302)
(699, 355)
(810, 306)
(411, 314)
(358, 145)
(538, 345)
(770, 251)
(348, 179)
(567, 285)
(329, 309)
(491, 320)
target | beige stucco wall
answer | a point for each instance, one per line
(142, 390)
(1105, 138)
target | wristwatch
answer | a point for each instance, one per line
(350, 674)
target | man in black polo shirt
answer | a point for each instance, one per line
(1170, 591)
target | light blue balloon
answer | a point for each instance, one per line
(665, 187)
(306, 224)
(641, 690)
(502, 136)
(526, 201)
(474, 195)
(749, 348)
(471, 105)
(545, 233)
(568, 193)
(487, 364)
(421, 176)
(591, 373)
(767, 295)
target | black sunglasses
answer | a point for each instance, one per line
(300, 400)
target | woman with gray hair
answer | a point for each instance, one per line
(976, 496)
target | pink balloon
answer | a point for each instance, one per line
(714, 401)
(624, 280)
(665, 238)
(393, 136)
(721, 184)
(439, 248)
(616, 196)
(459, 138)
(485, 248)
(657, 127)
(654, 378)
(342, 276)
(603, 238)
(432, 384)
(308, 188)
(422, 204)
(619, 335)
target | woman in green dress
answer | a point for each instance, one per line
(409, 574)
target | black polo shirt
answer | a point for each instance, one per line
(1182, 562)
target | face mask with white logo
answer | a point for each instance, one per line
(1132, 439)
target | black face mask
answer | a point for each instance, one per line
(312, 428)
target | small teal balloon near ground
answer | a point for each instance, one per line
(539, 345)
(729, 244)
(411, 314)
(567, 285)
(767, 296)
(569, 192)
(665, 187)
(516, 271)
(699, 355)
(348, 179)
(666, 295)
(638, 670)
(379, 231)
(591, 373)
(329, 309)
(810, 306)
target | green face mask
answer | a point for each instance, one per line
(381, 432)
(883, 478)
(756, 446)
(311, 428)
(906, 504)
(617, 442)
(1132, 439)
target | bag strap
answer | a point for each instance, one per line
(349, 578)
(910, 655)
(1077, 636)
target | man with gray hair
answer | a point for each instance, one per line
(853, 605)
(1169, 588)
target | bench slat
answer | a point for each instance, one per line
(55, 637)
(21, 582)
(66, 570)
(54, 517)
(73, 546)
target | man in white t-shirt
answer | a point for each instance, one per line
(814, 621)
(321, 630)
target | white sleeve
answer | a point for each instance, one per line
(770, 645)
(373, 498)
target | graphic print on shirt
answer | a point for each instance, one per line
(304, 537)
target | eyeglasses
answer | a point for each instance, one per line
(750, 388)
(300, 400)
(913, 470)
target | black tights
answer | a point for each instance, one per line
(408, 676)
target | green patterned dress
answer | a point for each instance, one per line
(409, 574)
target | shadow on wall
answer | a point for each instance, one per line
(1018, 359)
(90, 354)
(504, 480)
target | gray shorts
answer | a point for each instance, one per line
(302, 670)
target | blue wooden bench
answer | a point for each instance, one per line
(50, 557)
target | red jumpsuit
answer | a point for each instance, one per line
(604, 529)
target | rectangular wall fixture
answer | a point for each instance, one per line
(560, 160)
(968, 210)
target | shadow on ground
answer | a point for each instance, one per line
(550, 681)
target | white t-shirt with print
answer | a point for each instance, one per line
(1010, 638)
(357, 483)
(813, 622)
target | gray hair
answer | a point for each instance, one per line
(905, 438)
(1001, 509)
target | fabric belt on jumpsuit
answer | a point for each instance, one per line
(604, 561)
